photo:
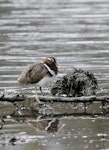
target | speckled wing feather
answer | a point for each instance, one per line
(33, 74)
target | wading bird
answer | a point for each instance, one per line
(39, 74)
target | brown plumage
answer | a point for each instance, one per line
(33, 74)
(39, 72)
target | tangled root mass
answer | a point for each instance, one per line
(75, 83)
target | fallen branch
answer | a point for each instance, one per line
(102, 107)
(55, 99)
(12, 99)
(74, 99)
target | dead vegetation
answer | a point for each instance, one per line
(76, 83)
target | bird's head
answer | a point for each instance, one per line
(51, 62)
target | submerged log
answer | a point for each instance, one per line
(15, 98)
(74, 99)
(54, 99)
(80, 106)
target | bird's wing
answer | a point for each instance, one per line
(33, 74)
(36, 72)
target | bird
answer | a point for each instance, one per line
(40, 74)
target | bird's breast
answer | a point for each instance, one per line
(46, 80)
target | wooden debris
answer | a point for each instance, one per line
(102, 107)
(74, 99)
(54, 99)
(15, 98)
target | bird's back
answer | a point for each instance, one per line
(33, 74)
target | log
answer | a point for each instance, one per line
(55, 99)
(12, 99)
(103, 102)
(74, 99)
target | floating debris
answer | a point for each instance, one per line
(13, 140)
(18, 138)
(76, 83)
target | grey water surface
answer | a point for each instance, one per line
(76, 32)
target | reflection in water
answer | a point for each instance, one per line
(76, 33)
(48, 125)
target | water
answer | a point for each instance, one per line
(77, 34)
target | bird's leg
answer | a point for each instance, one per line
(41, 90)
(37, 98)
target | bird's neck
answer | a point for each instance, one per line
(51, 72)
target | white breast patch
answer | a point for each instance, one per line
(46, 81)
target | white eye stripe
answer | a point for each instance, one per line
(51, 59)
(51, 71)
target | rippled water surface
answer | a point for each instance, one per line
(76, 32)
